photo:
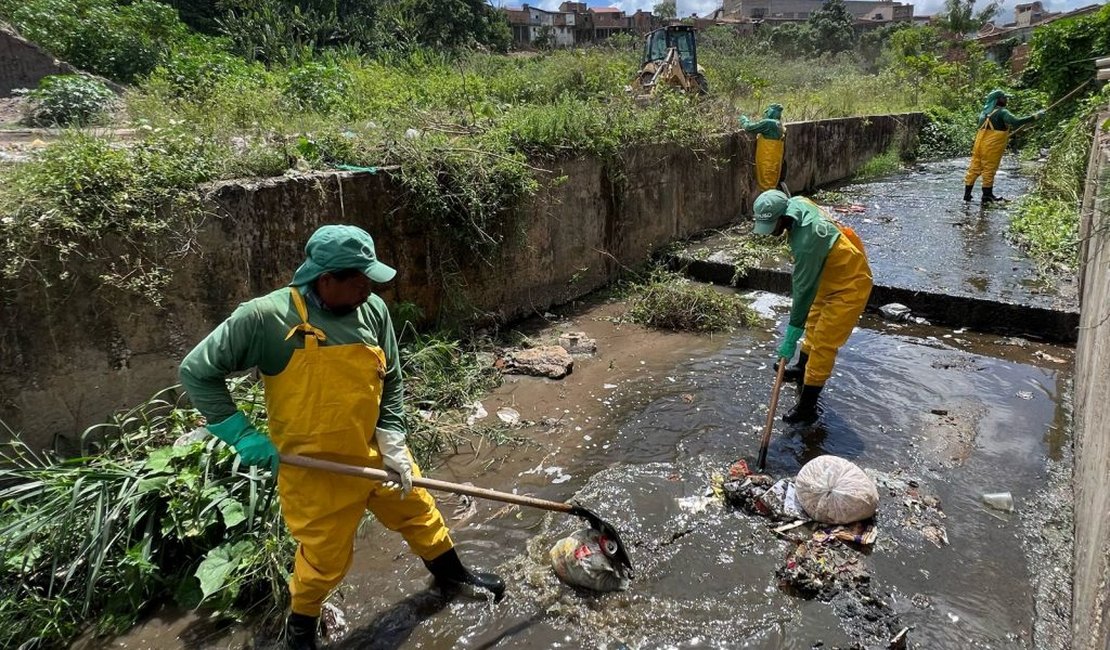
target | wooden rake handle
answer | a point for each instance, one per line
(771, 415)
(427, 483)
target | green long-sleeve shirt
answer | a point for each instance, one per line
(254, 337)
(768, 128)
(1002, 120)
(811, 238)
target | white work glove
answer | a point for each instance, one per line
(395, 456)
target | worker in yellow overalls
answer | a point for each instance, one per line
(770, 142)
(831, 283)
(328, 356)
(995, 124)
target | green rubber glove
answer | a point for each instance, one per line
(789, 343)
(254, 449)
(744, 121)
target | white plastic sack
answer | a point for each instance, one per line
(579, 561)
(835, 491)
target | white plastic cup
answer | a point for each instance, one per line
(1003, 501)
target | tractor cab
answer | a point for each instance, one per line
(679, 37)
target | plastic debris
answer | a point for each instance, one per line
(836, 491)
(508, 415)
(580, 560)
(1003, 501)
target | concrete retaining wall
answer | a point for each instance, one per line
(23, 64)
(1090, 615)
(67, 359)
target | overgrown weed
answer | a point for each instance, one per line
(668, 301)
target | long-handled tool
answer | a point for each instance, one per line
(611, 540)
(771, 414)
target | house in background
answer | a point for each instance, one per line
(877, 12)
(1009, 43)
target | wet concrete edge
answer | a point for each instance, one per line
(978, 314)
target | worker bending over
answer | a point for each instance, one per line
(831, 282)
(327, 352)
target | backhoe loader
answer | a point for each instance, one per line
(670, 58)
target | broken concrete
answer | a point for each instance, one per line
(550, 361)
(577, 343)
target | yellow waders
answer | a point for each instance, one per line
(841, 296)
(768, 161)
(986, 155)
(325, 404)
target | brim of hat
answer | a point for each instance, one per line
(379, 272)
(310, 270)
(764, 227)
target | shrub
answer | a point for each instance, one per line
(119, 41)
(946, 133)
(318, 86)
(196, 68)
(68, 100)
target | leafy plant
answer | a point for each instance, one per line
(68, 100)
(146, 512)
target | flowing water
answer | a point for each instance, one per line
(706, 572)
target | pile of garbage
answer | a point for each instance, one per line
(828, 512)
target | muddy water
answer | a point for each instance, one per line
(705, 572)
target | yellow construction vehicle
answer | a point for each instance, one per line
(670, 58)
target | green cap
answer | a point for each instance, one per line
(768, 208)
(335, 248)
(773, 112)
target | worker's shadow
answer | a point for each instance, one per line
(391, 629)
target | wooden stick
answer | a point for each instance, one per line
(429, 483)
(771, 415)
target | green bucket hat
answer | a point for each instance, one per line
(769, 206)
(334, 248)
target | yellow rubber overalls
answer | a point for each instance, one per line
(325, 404)
(768, 161)
(841, 297)
(986, 154)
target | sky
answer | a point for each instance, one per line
(704, 7)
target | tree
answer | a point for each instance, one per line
(832, 27)
(666, 10)
(447, 24)
(959, 16)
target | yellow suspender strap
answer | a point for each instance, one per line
(312, 334)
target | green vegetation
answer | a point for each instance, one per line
(668, 301)
(65, 100)
(1061, 70)
(143, 514)
(1046, 220)
(147, 512)
(883, 164)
